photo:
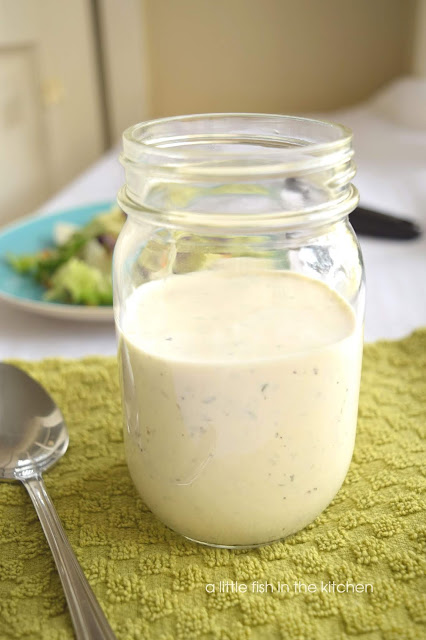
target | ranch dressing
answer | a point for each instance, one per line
(240, 393)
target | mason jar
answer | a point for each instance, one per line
(239, 306)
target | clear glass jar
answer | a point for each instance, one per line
(239, 306)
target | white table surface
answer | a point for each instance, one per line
(391, 177)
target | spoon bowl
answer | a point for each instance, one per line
(33, 436)
(33, 433)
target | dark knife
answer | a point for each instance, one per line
(382, 225)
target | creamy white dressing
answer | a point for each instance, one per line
(240, 393)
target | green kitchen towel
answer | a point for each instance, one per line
(356, 572)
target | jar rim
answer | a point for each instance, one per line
(279, 139)
(169, 162)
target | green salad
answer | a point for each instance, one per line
(77, 270)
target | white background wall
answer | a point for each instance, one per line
(274, 55)
(419, 57)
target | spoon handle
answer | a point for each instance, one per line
(87, 616)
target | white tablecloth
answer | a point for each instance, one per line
(391, 159)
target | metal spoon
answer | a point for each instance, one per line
(33, 436)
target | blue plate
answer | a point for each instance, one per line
(33, 234)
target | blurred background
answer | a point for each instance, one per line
(75, 73)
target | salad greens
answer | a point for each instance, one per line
(80, 283)
(78, 270)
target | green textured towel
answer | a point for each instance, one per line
(152, 583)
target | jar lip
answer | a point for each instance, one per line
(281, 141)
(180, 171)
